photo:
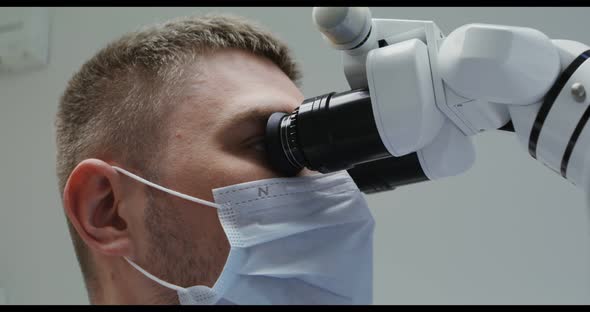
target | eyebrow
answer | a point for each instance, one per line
(249, 120)
(259, 113)
(255, 114)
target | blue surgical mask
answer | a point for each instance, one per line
(301, 240)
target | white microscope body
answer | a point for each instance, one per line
(430, 93)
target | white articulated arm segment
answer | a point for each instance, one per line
(430, 93)
(539, 82)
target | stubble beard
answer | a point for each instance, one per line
(173, 255)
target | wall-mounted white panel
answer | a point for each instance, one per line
(24, 38)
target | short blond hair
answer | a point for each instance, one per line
(114, 106)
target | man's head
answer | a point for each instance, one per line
(182, 104)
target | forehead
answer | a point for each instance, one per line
(240, 68)
(230, 81)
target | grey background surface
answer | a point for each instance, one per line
(507, 232)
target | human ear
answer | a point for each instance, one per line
(91, 198)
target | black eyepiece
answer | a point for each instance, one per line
(281, 144)
(326, 133)
(337, 131)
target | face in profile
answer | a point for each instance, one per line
(215, 139)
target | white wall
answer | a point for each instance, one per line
(507, 232)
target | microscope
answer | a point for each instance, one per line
(417, 97)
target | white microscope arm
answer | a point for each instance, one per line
(430, 93)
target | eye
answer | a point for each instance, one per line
(259, 146)
(256, 143)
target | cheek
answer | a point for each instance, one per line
(236, 170)
(198, 224)
(223, 167)
(182, 224)
(187, 237)
(198, 173)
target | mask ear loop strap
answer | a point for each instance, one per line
(153, 278)
(163, 189)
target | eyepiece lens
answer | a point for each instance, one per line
(279, 133)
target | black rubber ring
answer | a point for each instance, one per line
(364, 40)
(573, 140)
(550, 99)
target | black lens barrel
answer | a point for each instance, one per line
(388, 173)
(280, 154)
(337, 131)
